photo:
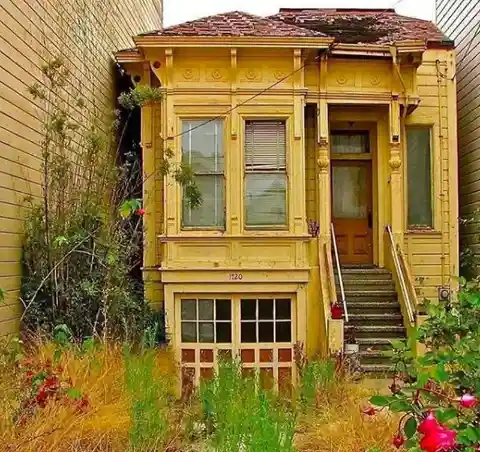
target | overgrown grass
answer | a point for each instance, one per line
(243, 417)
(117, 399)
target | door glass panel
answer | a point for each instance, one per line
(344, 143)
(350, 192)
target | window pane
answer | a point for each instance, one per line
(205, 309)
(202, 147)
(224, 333)
(419, 177)
(249, 309)
(266, 199)
(265, 309)
(249, 332)
(265, 332)
(211, 213)
(282, 309)
(283, 331)
(344, 143)
(350, 193)
(224, 310)
(189, 332)
(265, 145)
(205, 331)
(189, 309)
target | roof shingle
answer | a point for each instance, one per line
(236, 23)
(366, 26)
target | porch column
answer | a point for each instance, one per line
(323, 162)
(395, 162)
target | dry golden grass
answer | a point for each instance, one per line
(338, 425)
(104, 426)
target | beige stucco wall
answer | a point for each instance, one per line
(85, 33)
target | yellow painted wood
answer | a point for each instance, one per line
(231, 81)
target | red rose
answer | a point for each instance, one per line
(428, 425)
(398, 441)
(140, 212)
(438, 440)
(468, 401)
(370, 411)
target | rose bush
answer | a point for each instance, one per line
(438, 392)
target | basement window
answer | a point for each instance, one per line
(266, 320)
(206, 321)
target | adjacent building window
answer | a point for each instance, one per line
(419, 170)
(265, 173)
(206, 321)
(202, 150)
(266, 320)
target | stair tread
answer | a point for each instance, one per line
(374, 341)
(377, 327)
(374, 304)
(371, 292)
(376, 315)
(374, 353)
(377, 368)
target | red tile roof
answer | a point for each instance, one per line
(367, 26)
(236, 23)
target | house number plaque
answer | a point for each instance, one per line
(235, 277)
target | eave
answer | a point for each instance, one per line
(129, 56)
(233, 42)
(377, 50)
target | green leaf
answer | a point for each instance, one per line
(440, 374)
(410, 427)
(422, 379)
(400, 406)
(2, 295)
(398, 345)
(446, 415)
(74, 394)
(378, 400)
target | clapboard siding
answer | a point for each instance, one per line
(459, 19)
(85, 33)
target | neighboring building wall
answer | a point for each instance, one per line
(459, 19)
(85, 33)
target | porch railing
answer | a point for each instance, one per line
(339, 271)
(404, 277)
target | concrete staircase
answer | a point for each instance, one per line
(375, 312)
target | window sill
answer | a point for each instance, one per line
(423, 231)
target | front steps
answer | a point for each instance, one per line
(374, 311)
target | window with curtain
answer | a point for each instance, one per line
(265, 173)
(202, 150)
(419, 170)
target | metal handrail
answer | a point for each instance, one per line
(401, 276)
(340, 279)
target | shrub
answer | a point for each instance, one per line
(438, 392)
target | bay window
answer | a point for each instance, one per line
(202, 150)
(265, 173)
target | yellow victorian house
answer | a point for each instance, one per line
(324, 145)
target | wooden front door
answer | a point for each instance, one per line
(352, 210)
